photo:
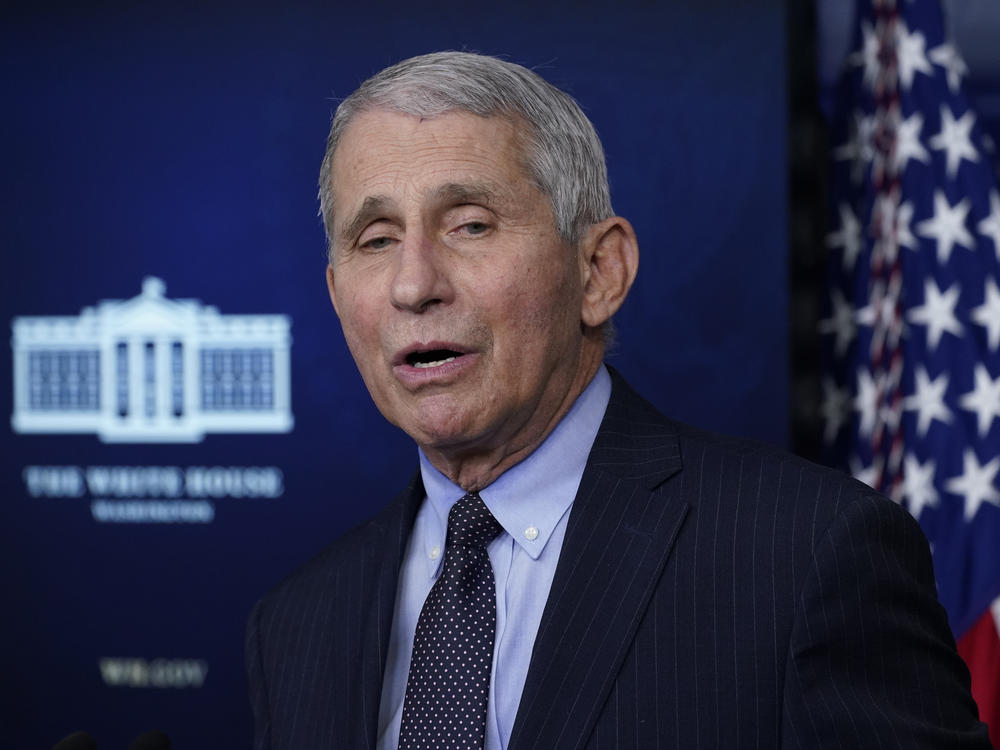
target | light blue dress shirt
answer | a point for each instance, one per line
(531, 500)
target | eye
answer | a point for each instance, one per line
(376, 243)
(469, 221)
(475, 227)
(472, 229)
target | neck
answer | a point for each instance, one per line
(477, 467)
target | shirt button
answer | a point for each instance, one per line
(435, 553)
(531, 533)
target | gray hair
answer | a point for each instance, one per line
(563, 154)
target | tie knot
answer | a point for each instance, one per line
(470, 523)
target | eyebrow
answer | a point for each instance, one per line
(372, 206)
(456, 193)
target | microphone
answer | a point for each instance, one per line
(154, 739)
(76, 741)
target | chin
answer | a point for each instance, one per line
(438, 437)
(442, 434)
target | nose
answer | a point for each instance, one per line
(421, 278)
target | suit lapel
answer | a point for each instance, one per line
(620, 532)
(383, 556)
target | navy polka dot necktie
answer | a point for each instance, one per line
(449, 679)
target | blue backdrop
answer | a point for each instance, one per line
(184, 145)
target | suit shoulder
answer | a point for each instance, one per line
(298, 587)
(774, 479)
(695, 441)
(720, 468)
(352, 556)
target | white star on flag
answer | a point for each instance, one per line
(866, 402)
(918, 485)
(890, 417)
(983, 399)
(908, 145)
(840, 323)
(975, 483)
(847, 237)
(928, 400)
(881, 307)
(955, 138)
(937, 312)
(910, 55)
(834, 408)
(904, 218)
(988, 313)
(954, 66)
(859, 148)
(893, 220)
(990, 226)
(947, 226)
(884, 224)
(867, 56)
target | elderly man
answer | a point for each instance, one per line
(568, 568)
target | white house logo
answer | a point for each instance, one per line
(152, 370)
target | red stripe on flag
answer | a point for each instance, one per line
(980, 647)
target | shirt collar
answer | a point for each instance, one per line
(532, 496)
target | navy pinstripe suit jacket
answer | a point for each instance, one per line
(710, 593)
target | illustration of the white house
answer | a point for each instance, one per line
(150, 370)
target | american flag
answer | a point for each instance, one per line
(911, 394)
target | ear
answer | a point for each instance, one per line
(331, 289)
(609, 257)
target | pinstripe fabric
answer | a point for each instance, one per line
(710, 593)
(315, 645)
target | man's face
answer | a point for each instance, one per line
(458, 299)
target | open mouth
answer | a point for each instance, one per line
(431, 358)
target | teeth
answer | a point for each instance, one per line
(438, 363)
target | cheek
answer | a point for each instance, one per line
(552, 294)
(355, 307)
(360, 327)
(540, 313)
